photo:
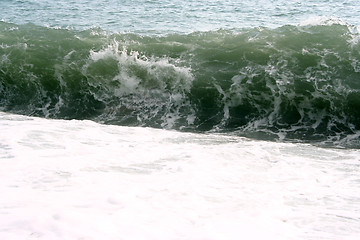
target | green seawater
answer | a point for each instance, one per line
(263, 70)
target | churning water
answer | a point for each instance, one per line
(179, 119)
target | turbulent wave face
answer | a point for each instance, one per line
(293, 83)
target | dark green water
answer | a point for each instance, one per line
(297, 83)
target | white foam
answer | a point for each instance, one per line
(159, 70)
(329, 21)
(147, 86)
(322, 20)
(81, 180)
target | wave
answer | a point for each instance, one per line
(298, 83)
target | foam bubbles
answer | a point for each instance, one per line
(322, 20)
(147, 86)
(79, 179)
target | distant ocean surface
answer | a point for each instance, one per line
(167, 17)
(191, 119)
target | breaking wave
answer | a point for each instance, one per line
(296, 83)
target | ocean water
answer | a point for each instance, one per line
(179, 119)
